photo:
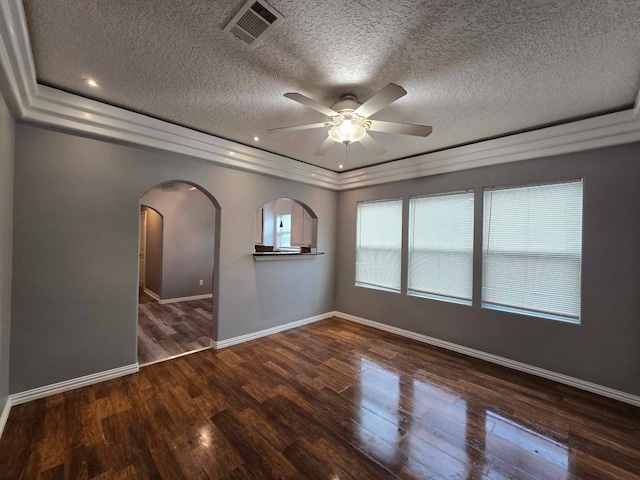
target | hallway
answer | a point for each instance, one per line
(171, 329)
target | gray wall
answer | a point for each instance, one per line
(75, 258)
(6, 225)
(188, 239)
(605, 348)
(77, 207)
(153, 252)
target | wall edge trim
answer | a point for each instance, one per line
(505, 362)
(72, 384)
(173, 357)
(217, 345)
(5, 414)
(184, 299)
(153, 295)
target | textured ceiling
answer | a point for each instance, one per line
(473, 70)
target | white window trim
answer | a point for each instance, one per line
(429, 295)
(574, 320)
(373, 286)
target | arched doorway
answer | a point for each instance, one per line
(286, 224)
(179, 238)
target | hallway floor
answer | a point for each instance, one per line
(171, 329)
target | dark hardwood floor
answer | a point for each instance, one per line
(332, 400)
(172, 329)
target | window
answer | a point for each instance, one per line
(379, 244)
(441, 247)
(283, 222)
(532, 250)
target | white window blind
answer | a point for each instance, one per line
(379, 244)
(441, 246)
(532, 249)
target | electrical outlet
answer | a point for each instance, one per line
(201, 282)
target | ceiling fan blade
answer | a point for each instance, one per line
(402, 128)
(384, 97)
(306, 101)
(324, 148)
(297, 127)
(371, 145)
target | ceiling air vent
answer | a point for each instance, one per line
(254, 20)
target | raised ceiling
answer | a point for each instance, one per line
(473, 70)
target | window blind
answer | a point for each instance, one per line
(532, 249)
(441, 246)
(379, 244)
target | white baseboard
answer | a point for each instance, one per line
(47, 390)
(184, 299)
(67, 385)
(269, 331)
(5, 415)
(153, 295)
(505, 362)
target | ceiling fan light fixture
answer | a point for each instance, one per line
(348, 120)
(347, 128)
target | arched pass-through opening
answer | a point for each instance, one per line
(179, 265)
(286, 225)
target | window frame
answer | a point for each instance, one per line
(524, 311)
(374, 286)
(409, 244)
(281, 231)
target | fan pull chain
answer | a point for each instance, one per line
(346, 161)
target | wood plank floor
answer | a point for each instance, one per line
(332, 400)
(172, 329)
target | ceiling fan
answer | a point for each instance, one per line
(348, 120)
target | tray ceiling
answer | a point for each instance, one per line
(473, 70)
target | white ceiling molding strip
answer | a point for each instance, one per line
(48, 106)
(16, 61)
(597, 132)
(44, 105)
(90, 117)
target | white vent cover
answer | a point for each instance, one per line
(254, 20)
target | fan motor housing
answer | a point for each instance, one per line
(348, 102)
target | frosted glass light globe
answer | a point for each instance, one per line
(347, 132)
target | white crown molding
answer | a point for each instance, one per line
(597, 132)
(217, 345)
(47, 390)
(505, 362)
(47, 106)
(16, 61)
(61, 109)
(44, 105)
